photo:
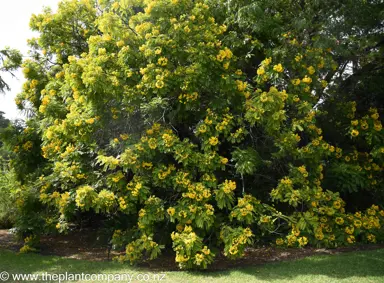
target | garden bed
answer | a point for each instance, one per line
(86, 245)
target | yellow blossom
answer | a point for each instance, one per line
(267, 61)
(296, 81)
(159, 84)
(347, 158)
(90, 121)
(311, 70)
(261, 71)
(202, 129)
(354, 133)
(371, 238)
(213, 141)
(339, 220)
(124, 137)
(152, 143)
(171, 211)
(241, 86)
(303, 241)
(278, 68)
(162, 61)
(351, 239)
(307, 80)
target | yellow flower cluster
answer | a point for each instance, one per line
(303, 241)
(241, 86)
(266, 61)
(182, 179)
(197, 192)
(165, 173)
(311, 70)
(106, 199)
(228, 186)
(371, 238)
(135, 186)
(303, 171)
(171, 211)
(286, 181)
(129, 157)
(117, 177)
(159, 84)
(213, 141)
(146, 165)
(28, 145)
(122, 203)
(245, 208)
(365, 122)
(307, 80)
(124, 137)
(291, 240)
(237, 243)
(152, 143)
(278, 68)
(162, 61)
(296, 82)
(84, 194)
(351, 239)
(224, 123)
(354, 133)
(63, 201)
(349, 230)
(185, 98)
(169, 139)
(225, 53)
(188, 248)
(202, 128)
(260, 71)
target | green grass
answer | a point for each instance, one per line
(367, 266)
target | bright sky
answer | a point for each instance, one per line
(14, 32)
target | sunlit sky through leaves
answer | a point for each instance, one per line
(14, 32)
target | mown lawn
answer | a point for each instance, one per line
(367, 266)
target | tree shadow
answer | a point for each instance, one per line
(359, 265)
(338, 267)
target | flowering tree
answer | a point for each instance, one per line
(203, 127)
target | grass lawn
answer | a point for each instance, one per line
(367, 266)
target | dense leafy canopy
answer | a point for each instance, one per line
(204, 125)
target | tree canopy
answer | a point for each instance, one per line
(204, 126)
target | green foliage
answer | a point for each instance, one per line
(246, 160)
(214, 123)
(10, 60)
(189, 249)
(345, 177)
(7, 181)
(7, 208)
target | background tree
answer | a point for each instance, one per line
(10, 60)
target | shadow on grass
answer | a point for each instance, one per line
(365, 264)
(342, 266)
